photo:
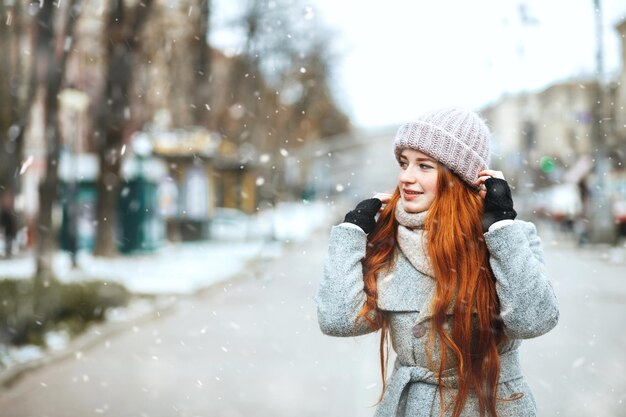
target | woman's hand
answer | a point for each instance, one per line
(384, 198)
(485, 175)
(497, 196)
(364, 215)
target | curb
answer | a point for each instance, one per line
(99, 332)
(85, 341)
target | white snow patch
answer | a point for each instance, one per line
(183, 268)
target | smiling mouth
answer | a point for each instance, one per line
(409, 192)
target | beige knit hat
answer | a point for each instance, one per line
(456, 137)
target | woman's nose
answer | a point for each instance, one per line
(407, 176)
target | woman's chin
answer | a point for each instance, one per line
(412, 206)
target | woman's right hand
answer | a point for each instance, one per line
(364, 215)
(384, 198)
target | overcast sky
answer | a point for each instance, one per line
(400, 57)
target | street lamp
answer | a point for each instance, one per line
(600, 216)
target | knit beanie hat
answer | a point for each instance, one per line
(456, 137)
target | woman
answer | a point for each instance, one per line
(446, 273)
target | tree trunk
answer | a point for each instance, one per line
(111, 126)
(108, 191)
(46, 66)
(50, 69)
(122, 37)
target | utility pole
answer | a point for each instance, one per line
(599, 212)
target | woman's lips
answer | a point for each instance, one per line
(411, 195)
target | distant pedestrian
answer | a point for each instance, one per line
(8, 222)
(581, 224)
(446, 273)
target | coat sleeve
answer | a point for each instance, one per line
(341, 295)
(528, 304)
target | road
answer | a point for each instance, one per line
(248, 347)
(579, 368)
(252, 347)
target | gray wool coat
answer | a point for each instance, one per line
(529, 308)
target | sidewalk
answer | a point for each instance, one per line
(171, 274)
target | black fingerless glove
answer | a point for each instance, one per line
(498, 202)
(364, 214)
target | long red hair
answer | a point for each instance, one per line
(460, 261)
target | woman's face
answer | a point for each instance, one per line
(417, 180)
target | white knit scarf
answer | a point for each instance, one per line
(413, 239)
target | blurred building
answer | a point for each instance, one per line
(204, 172)
(620, 96)
(618, 178)
(544, 141)
(529, 127)
(238, 152)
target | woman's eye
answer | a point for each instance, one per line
(403, 164)
(424, 166)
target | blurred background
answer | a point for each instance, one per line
(169, 171)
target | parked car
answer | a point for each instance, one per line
(564, 203)
(229, 224)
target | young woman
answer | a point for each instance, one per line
(446, 273)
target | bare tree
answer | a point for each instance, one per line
(310, 110)
(202, 62)
(286, 52)
(51, 52)
(122, 37)
(282, 82)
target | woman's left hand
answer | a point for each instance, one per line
(484, 175)
(496, 194)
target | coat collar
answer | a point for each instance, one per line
(405, 289)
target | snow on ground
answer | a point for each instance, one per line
(175, 268)
(184, 268)
(181, 268)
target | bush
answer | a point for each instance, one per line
(61, 306)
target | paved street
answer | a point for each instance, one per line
(578, 369)
(251, 347)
